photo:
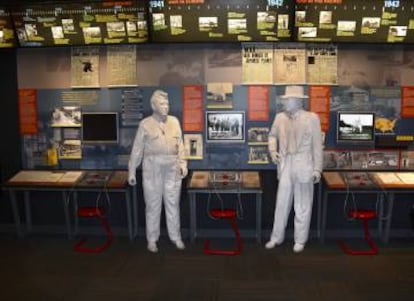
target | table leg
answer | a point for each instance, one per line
(259, 218)
(66, 211)
(319, 210)
(129, 214)
(324, 209)
(389, 217)
(28, 211)
(380, 200)
(16, 215)
(193, 222)
(135, 210)
(75, 209)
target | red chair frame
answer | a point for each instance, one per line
(365, 216)
(229, 214)
(100, 214)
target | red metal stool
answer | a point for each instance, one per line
(100, 214)
(363, 215)
(229, 214)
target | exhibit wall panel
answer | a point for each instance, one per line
(370, 79)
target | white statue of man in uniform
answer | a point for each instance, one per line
(158, 145)
(295, 145)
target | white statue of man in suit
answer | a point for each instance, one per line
(295, 145)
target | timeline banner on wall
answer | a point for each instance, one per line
(365, 21)
(76, 23)
(220, 20)
(257, 63)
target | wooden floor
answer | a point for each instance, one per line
(46, 268)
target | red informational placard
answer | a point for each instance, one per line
(258, 101)
(28, 111)
(193, 108)
(319, 97)
(407, 102)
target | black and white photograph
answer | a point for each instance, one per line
(325, 17)
(300, 17)
(207, 23)
(282, 21)
(31, 30)
(68, 25)
(68, 116)
(257, 136)
(357, 127)
(236, 26)
(193, 146)
(176, 21)
(266, 19)
(307, 32)
(158, 21)
(337, 159)
(258, 155)
(91, 32)
(383, 159)
(346, 26)
(225, 126)
(57, 32)
(407, 159)
(397, 31)
(70, 149)
(219, 95)
(371, 22)
(115, 29)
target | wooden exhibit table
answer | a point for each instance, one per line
(224, 182)
(70, 183)
(384, 185)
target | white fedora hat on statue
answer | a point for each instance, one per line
(294, 92)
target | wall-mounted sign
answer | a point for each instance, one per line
(121, 22)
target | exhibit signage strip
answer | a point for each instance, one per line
(407, 102)
(193, 108)
(319, 99)
(28, 111)
(258, 102)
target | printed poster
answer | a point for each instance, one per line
(121, 65)
(289, 64)
(257, 63)
(85, 67)
(322, 65)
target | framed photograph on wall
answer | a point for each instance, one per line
(225, 126)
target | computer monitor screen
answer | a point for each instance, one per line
(355, 127)
(100, 127)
